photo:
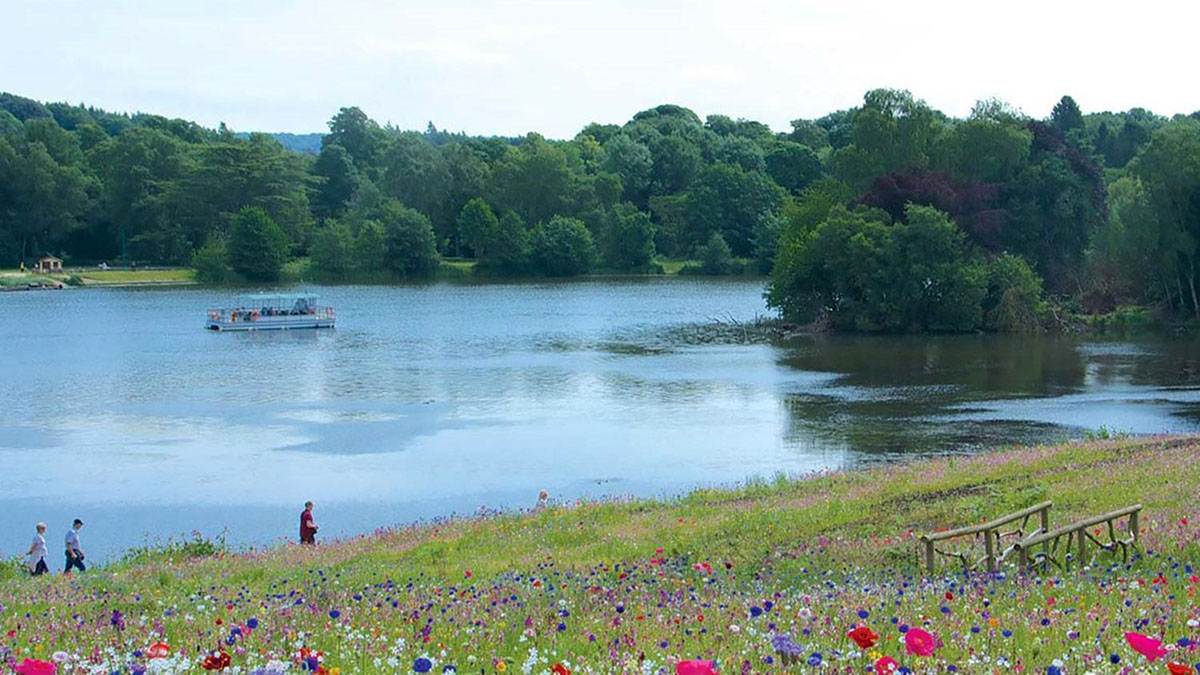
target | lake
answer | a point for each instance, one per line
(428, 401)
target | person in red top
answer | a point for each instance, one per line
(308, 527)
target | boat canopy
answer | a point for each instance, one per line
(300, 302)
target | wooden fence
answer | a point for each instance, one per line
(1069, 544)
(993, 539)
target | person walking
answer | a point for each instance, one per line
(37, 552)
(308, 526)
(74, 550)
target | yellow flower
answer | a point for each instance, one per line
(502, 666)
(335, 671)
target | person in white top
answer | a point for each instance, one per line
(74, 551)
(37, 552)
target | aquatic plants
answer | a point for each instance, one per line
(811, 574)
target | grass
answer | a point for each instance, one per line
(97, 277)
(673, 266)
(637, 585)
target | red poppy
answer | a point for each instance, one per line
(1179, 669)
(863, 637)
(216, 661)
(158, 650)
(560, 669)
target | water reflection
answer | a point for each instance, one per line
(433, 399)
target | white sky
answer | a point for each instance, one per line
(553, 66)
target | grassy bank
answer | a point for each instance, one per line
(635, 586)
(97, 277)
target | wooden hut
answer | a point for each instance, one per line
(48, 265)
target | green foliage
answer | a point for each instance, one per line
(410, 248)
(339, 180)
(333, 250)
(629, 241)
(1066, 115)
(91, 185)
(733, 202)
(1014, 296)
(984, 150)
(563, 247)
(257, 246)
(478, 227)
(792, 166)
(715, 256)
(1170, 169)
(211, 263)
(891, 132)
(864, 274)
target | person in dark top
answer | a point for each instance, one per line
(74, 549)
(308, 527)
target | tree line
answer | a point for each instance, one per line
(889, 216)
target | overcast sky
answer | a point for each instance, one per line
(552, 67)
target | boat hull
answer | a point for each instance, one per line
(266, 324)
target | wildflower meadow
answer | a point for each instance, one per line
(809, 574)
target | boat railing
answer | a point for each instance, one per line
(267, 314)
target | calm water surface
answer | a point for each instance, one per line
(433, 400)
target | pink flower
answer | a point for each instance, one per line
(886, 665)
(696, 667)
(1146, 646)
(919, 642)
(35, 667)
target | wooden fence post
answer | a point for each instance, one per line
(1045, 517)
(928, 557)
(1133, 525)
(990, 550)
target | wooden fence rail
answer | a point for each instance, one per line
(1068, 544)
(993, 539)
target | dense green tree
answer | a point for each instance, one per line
(139, 173)
(333, 249)
(339, 180)
(211, 263)
(792, 165)
(731, 201)
(1066, 115)
(563, 247)
(532, 180)
(984, 150)
(370, 247)
(629, 243)
(862, 273)
(675, 163)
(479, 227)
(715, 255)
(631, 161)
(229, 176)
(1014, 293)
(41, 201)
(358, 134)
(411, 248)
(1170, 169)
(740, 151)
(258, 248)
(1056, 201)
(809, 134)
(891, 132)
(416, 173)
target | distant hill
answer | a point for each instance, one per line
(309, 144)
